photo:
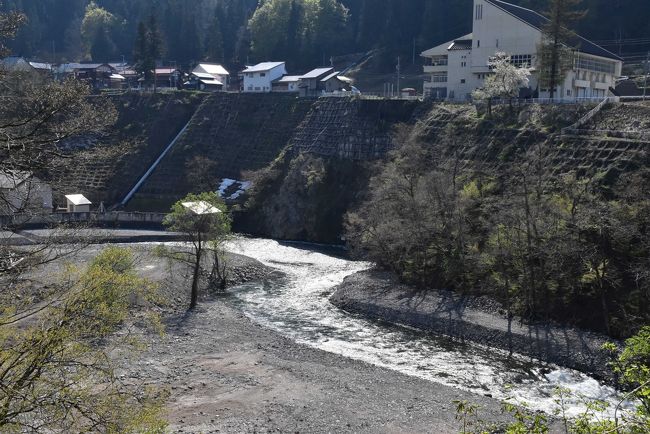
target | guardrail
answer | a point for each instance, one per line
(107, 218)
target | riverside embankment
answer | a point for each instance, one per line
(378, 295)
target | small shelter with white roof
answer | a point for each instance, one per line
(78, 203)
(201, 208)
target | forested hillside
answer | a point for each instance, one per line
(303, 32)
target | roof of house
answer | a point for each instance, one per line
(212, 68)
(201, 207)
(289, 79)
(14, 62)
(334, 74)
(204, 75)
(537, 21)
(461, 44)
(442, 48)
(163, 71)
(74, 66)
(263, 67)
(317, 73)
(78, 199)
(40, 65)
(206, 78)
(12, 179)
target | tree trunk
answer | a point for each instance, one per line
(195, 280)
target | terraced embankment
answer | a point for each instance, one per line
(233, 133)
(105, 168)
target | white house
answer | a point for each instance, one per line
(288, 83)
(22, 192)
(217, 71)
(260, 78)
(457, 67)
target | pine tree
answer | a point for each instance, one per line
(555, 53)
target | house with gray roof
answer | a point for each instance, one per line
(457, 67)
(259, 78)
(310, 83)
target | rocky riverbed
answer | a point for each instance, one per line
(225, 373)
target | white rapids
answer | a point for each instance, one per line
(298, 307)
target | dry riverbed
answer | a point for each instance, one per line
(227, 374)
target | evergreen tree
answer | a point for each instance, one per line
(214, 51)
(555, 53)
(143, 62)
(148, 49)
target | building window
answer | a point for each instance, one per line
(522, 60)
(582, 62)
(568, 92)
(478, 14)
(262, 74)
(478, 43)
(462, 81)
(439, 78)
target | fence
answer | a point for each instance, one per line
(93, 218)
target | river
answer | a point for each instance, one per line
(298, 307)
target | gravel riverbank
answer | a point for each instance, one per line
(378, 295)
(228, 374)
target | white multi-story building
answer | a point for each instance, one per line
(457, 67)
(260, 78)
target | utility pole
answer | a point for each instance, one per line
(645, 69)
(414, 42)
(399, 72)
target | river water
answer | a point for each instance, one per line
(298, 307)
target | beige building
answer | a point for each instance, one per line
(457, 67)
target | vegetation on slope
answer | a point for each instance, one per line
(474, 209)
